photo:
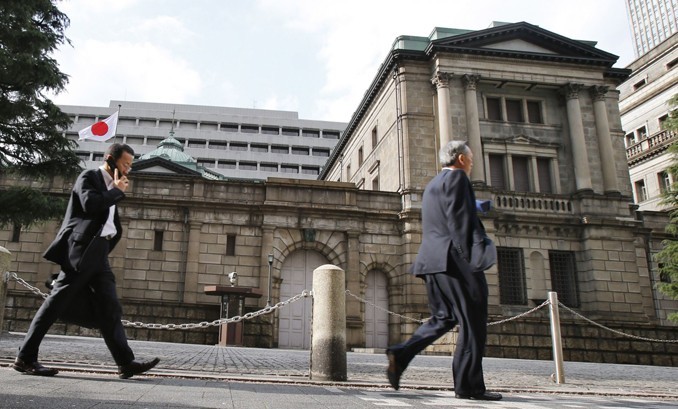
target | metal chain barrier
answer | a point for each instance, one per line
(203, 324)
(305, 293)
(560, 304)
(348, 292)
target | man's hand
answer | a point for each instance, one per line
(120, 182)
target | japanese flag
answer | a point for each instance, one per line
(100, 131)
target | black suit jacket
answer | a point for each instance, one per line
(86, 214)
(454, 239)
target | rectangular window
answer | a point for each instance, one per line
(208, 163)
(321, 152)
(187, 125)
(268, 167)
(297, 150)
(258, 148)
(544, 173)
(641, 133)
(630, 139)
(331, 134)
(269, 130)
(664, 181)
(157, 240)
(247, 166)
(280, 149)
(375, 183)
(249, 129)
(290, 131)
(672, 63)
(639, 84)
(493, 108)
(228, 127)
(134, 140)
(16, 233)
(375, 139)
(497, 178)
(514, 111)
(196, 144)
(564, 277)
(521, 174)
(512, 284)
(641, 191)
(348, 172)
(289, 168)
(218, 145)
(230, 244)
(83, 155)
(360, 156)
(236, 146)
(96, 157)
(310, 170)
(662, 120)
(310, 133)
(226, 164)
(534, 112)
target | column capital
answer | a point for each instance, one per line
(470, 81)
(441, 79)
(571, 90)
(598, 92)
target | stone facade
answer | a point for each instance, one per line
(542, 115)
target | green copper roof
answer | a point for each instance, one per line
(172, 150)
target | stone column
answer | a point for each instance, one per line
(442, 82)
(5, 258)
(328, 342)
(473, 127)
(580, 158)
(604, 139)
(191, 289)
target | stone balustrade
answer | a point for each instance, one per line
(532, 202)
(655, 143)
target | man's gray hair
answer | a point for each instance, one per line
(450, 152)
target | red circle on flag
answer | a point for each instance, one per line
(100, 129)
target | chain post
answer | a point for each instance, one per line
(556, 338)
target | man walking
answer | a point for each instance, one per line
(90, 230)
(452, 258)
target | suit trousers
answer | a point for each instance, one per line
(454, 299)
(94, 271)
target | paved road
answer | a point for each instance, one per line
(208, 376)
(81, 390)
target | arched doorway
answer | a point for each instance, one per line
(376, 320)
(294, 320)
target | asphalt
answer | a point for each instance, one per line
(83, 356)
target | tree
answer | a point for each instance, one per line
(668, 256)
(32, 143)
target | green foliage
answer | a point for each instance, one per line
(668, 256)
(13, 204)
(32, 142)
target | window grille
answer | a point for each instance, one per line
(564, 277)
(511, 266)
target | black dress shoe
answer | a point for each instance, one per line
(480, 396)
(33, 368)
(135, 368)
(394, 371)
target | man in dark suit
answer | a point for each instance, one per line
(90, 230)
(452, 258)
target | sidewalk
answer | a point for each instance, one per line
(80, 354)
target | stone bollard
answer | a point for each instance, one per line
(5, 257)
(328, 336)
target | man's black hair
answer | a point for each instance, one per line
(117, 149)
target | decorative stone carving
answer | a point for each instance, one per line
(470, 81)
(571, 90)
(441, 79)
(598, 92)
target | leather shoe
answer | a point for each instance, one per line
(394, 371)
(135, 368)
(480, 396)
(33, 368)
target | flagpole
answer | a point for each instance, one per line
(116, 124)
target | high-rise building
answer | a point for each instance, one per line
(652, 21)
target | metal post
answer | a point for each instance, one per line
(270, 263)
(556, 339)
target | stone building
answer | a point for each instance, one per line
(540, 112)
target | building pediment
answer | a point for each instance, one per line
(159, 165)
(524, 40)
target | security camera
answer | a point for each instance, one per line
(233, 278)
